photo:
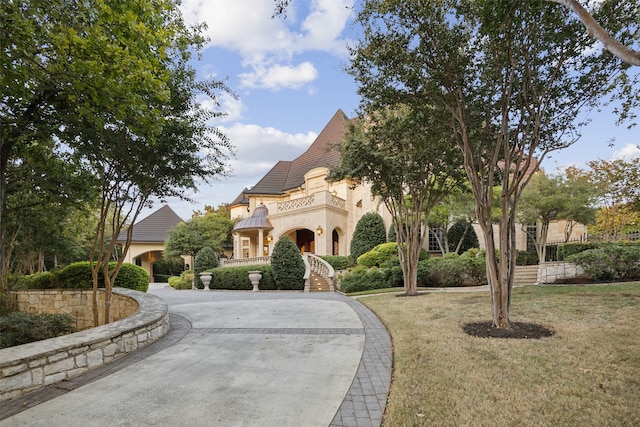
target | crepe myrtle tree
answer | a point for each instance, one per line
(411, 163)
(511, 78)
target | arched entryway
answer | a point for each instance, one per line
(306, 240)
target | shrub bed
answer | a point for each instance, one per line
(452, 270)
(338, 262)
(19, 328)
(610, 262)
(179, 283)
(237, 278)
(78, 276)
(569, 249)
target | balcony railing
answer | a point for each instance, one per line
(316, 200)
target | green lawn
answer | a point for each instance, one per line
(586, 374)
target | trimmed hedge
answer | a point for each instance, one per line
(452, 270)
(610, 262)
(369, 233)
(363, 279)
(237, 278)
(179, 283)
(338, 262)
(78, 276)
(382, 254)
(568, 249)
(287, 265)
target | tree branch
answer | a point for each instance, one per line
(612, 45)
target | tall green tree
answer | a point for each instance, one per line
(212, 229)
(369, 232)
(409, 160)
(552, 198)
(111, 80)
(46, 192)
(511, 76)
(617, 184)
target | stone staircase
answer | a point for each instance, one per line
(318, 283)
(525, 275)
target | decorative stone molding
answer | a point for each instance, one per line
(31, 366)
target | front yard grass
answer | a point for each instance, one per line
(586, 374)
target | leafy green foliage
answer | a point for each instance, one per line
(205, 260)
(509, 79)
(362, 279)
(369, 232)
(287, 266)
(461, 236)
(380, 255)
(455, 270)
(179, 283)
(19, 328)
(610, 262)
(237, 278)
(211, 229)
(78, 276)
(452, 270)
(338, 262)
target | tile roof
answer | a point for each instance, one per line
(153, 228)
(287, 175)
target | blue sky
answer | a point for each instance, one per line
(288, 75)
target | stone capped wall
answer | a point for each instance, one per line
(77, 302)
(27, 367)
(551, 272)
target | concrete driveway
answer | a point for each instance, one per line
(237, 359)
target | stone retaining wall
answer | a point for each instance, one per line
(77, 302)
(30, 366)
(552, 272)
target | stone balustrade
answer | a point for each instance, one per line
(245, 262)
(30, 366)
(323, 268)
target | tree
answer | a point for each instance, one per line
(287, 266)
(617, 184)
(411, 164)
(461, 236)
(511, 77)
(547, 199)
(213, 229)
(610, 43)
(205, 259)
(111, 81)
(369, 232)
(45, 194)
(457, 208)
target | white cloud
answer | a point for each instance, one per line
(280, 76)
(260, 148)
(267, 45)
(630, 151)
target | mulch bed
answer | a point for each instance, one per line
(518, 330)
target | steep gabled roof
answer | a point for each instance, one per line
(287, 175)
(153, 228)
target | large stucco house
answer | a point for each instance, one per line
(296, 199)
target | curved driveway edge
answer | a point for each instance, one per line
(238, 358)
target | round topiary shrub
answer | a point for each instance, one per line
(369, 233)
(287, 266)
(457, 232)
